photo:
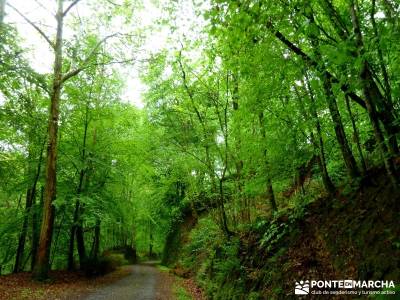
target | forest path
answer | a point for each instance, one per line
(145, 282)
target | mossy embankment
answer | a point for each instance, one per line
(355, 235)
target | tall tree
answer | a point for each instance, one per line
(41, 267)
(58, 80)
(374, 99)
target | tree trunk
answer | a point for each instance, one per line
(22, 237)
(35, 233)
(326, 78)
(30, 196)
(347, 154)
(356, 136)
(319, 145)
(57, 236)
(371, 95)
(76, 228)
(268, 182)
(239, 164)
(222, 208)
(35, 226)
(80, 242)
(96, 240)
(209, 163)
(383, 106)
(334, 17)
(72, 238)
(385, 75)
(387, 159)
(41, 268)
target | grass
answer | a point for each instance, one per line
(178, 289)
(180, 292)
(163, 268)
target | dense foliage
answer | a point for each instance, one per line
(265, 107)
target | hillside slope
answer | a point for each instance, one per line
(354, 236)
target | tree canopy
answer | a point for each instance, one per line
(249, 108)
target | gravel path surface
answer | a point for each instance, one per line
(142, 284)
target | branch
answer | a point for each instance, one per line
(69, 7)
(115, 62)
(86, 61)
(33, 25)
(184, 150)
(189, 91)
(113, 3)
(311, 62)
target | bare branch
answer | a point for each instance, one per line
(87, 59)
(70, 6)
(33, 25)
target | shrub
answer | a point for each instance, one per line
(100, 266)
(104, 264)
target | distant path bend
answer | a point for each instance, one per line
(145, 282)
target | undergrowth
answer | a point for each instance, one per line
(354, 236)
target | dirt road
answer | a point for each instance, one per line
(145, 282)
